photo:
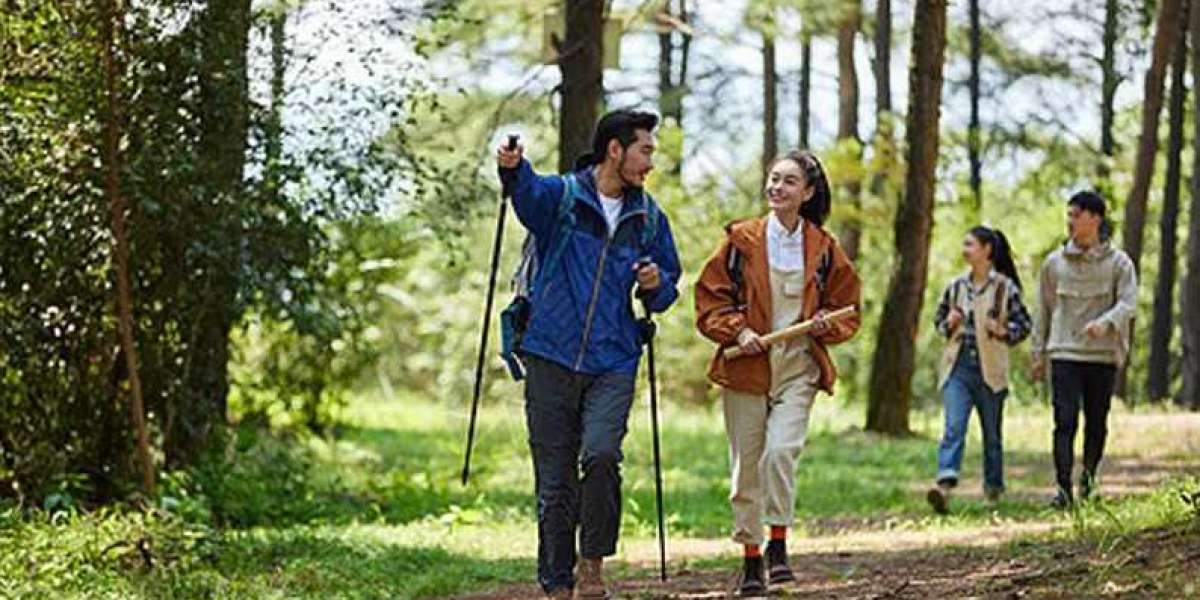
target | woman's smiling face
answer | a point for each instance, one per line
(787, 187)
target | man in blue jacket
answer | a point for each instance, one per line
(598, 237)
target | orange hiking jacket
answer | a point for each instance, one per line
(720, 315)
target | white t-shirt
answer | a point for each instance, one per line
(612, 211)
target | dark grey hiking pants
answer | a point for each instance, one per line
(576, 423)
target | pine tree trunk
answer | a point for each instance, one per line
(974, 141)
(1165, 30)
(671, 87)
(805, 88)
(770, 147)
(1190, 394)
(581, 57)
(273, 127)
(1110, 80)
(1159, 372)
(895, 354)
(848, 111)
(113, 18)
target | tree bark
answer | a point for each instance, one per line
(883, 57)
(1110, 81)
(274, 124)
(581, 61)
(805, 87)
(113, 17)
(1159, 372)
(974, 149)
(221, 159)
(848, 111)
(1190, 393)
(894, 362)
(671, 87)
(1165, 31)
(770, 147)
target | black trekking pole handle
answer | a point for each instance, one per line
(513, 139)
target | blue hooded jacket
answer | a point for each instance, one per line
(582, 307)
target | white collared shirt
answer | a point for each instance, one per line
(785, 250)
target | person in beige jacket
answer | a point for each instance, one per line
(1088, 295)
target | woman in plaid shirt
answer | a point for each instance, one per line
(981, 314)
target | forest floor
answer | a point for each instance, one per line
(375, 511)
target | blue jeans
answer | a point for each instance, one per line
(965, 389)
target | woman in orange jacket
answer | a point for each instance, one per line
(767, 274)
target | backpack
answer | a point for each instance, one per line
(514, 319)
(735, 263)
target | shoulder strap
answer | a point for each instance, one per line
(824, 267)
(998, 299)
(733, 265)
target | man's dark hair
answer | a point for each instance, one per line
(621, 125)
(1089, 201)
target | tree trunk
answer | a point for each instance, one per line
(770, 147)
(581, 57)
(1159, 377)
(113, 17)
(848, 111)
(883, 57)
(671, 87)
(805, 87)
(274, 124)
(1110, 80)
(894, 361)
(1190, 394)
(974, 149)
(1165, 30)
(221, 158)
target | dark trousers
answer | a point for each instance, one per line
(1080, 385)
(576, 423)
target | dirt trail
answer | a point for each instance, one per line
(878, 557)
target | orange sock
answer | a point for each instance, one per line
(753, 551)
(778, 532)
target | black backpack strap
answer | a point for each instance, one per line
(998, 299)
(734, 265)
(824, 268)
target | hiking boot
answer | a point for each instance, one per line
(752, 583)
(1062, 500)
(560, 594)
(590, 580)
(992, 495)
(939, 498)
(778, 570)
(1087, 485)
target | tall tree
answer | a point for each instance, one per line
(1159, 372)
(273, 128)
(1166, 29)
(805, 85)
(848, 27)
(224, 101)
(1110, 80)
(114, 16)
(1190, 394)
(770, 147)
(974, 140)
(883, 59)
(894, 362)
(581, 61)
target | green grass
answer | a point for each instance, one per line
(378, 512)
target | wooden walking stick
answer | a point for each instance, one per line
(791, 332)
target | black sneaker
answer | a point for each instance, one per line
(752, 578)
(1062, 500)
(778, 570)
(1087, 485)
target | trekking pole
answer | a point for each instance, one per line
(648, 330)
(505, 193)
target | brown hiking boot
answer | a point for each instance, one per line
(590, 580)
(939, 498)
